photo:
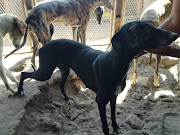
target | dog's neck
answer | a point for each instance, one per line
(118, 60)
(93, 4)
(116, 64)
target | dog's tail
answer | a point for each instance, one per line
(20, 46)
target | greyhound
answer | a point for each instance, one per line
(75, 13)
(156, 14)
(11, 25)
(103, 72)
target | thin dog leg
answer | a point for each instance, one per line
(64, 74)
(51, 28)
(158, 60)
(35, 50)
(149, 60)
(4, 78)
(8, 73)
(113, 116)
(2, 69)
(135, 72)
(75, 33)
(102, 110)
(43, 73)
(83, 34)
(113, 109)
(40, 75)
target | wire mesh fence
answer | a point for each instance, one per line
(96, 34)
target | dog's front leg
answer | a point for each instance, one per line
(4, 79)
(113, 115)
(8, 73)
(75, 33)
(133, 83)
(3, 71)
(102, 110)
(83, 33)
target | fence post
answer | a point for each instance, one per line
(120, 6)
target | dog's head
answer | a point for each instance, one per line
(17, 32)
(98, 13)
(137, 36)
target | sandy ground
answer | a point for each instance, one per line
(141, 110)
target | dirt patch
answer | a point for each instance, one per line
(143, 110)
(140, 114)
(48, 114)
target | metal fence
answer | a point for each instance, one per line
(96, 34)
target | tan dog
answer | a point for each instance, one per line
(11, 25)
(156, 14)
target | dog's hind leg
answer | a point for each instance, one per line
(75, 33)
(149, 60)
(39, 75)
(82, 34)
(44, 72)
(35, 50)
(64, 74)
(51, 28)
(4, 79)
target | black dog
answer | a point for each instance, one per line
(102, 72)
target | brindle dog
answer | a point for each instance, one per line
(156, 14)
(75, 13)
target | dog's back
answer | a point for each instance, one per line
(79, 57)
(57, 11)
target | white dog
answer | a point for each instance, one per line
(10, 24)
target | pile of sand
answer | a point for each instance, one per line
(144, 110)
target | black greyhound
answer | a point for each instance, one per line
(102, 72)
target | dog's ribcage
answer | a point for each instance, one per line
(68, 13)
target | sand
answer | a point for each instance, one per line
(141, 110)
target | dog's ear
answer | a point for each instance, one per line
(116, 41)
(18, 24)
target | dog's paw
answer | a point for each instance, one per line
(117, 132)
(69, 101)
(19, 93)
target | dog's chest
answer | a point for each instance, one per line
(118, 90)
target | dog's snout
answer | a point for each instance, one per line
(173, 36)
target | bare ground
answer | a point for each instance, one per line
(141, 110)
